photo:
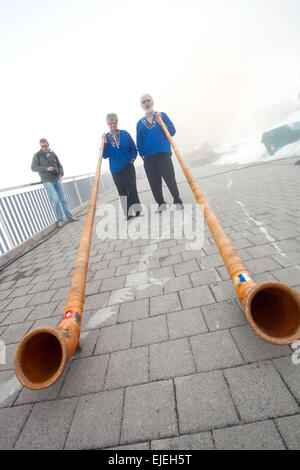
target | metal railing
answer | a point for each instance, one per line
(26, 212)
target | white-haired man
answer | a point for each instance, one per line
(155, 150)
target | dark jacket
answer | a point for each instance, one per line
(40, 162)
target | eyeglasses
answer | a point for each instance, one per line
(45, 146)
(146, 101)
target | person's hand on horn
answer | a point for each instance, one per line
(157, 115)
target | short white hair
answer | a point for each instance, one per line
(111, 117)
(146, 95)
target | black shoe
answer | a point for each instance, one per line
(129, 217)
(179, 206)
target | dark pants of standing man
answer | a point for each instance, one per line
(125, 181)
(160, 166)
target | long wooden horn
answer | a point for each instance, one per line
(43, 353)
(271, 308)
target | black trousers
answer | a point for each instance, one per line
(125, 181)
(160, 166)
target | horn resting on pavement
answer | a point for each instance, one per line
(271, 308)
(43, 353)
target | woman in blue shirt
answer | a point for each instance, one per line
(121, 151)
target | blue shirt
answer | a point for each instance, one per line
(121, 151)
(150, 137)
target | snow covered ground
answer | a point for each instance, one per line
(250, 149)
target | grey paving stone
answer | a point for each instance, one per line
(289, 275)
(46, 394)
(149, 412)
(130, 311)
(11, 422)
(223, 315)
(289, 428)
(85, 376)
(259, 393)
(196, 296)
(206, 276)
(105, 273)
(136, 279)
(290, 259)
(200, 441)
(186, 323)
(88, 340)
(203, 402)
(97, 421)
(148, 290)
(39, 287)
(150, 330)
(263, 277)
(61, 282)
(256, 436)
(44, 297)
(253, 348)
(290, 373)
(126, 269)
(119, 261)
(127, 368)
(176, 284)
(52, 321)
(164, 304)
(112, 255)
(112, 283)
(98, 267)
(14, 333)
(211, 261)
(42, 311)
(18, 302)
(186, 267)
(171, 359)
(121, 295)
(106, 316)
(215, 351)
(9, 356)
(261, 265)
(5, 293)
(114, 338)
(23, 290)
(288, 245)
(224, 273)
(261, 250)
(223, 290)
(170, 260)
(96, 301)
(92, 287)
(9, 388)
(162, 274)
(47, 426)
(17, 316)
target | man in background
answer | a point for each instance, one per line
(47, 164)
(154, 147)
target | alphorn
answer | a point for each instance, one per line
(271, 308)
(43, 353)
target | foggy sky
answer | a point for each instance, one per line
(218, 68)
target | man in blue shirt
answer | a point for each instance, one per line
(155, 150)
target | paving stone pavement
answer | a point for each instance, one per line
(168, 359)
